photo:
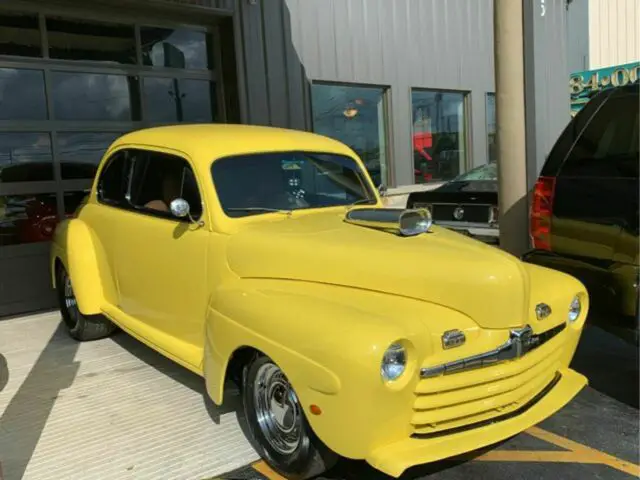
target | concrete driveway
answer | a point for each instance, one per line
(115, 409)
(109, 409)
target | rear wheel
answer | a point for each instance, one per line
(81, 327)
(281, 433)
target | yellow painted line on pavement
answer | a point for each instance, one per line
(264, 469)
(575, 453)
(585, 451)
(535, 456)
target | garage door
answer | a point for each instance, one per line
(71, 81)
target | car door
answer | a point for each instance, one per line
(161, 259)
(103, 218)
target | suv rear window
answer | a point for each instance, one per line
(608, 146)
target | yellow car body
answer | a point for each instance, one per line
(324, 298)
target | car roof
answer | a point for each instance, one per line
(212, 141)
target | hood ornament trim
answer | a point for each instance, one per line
(453, 338)
(407, 223)
(542, 311)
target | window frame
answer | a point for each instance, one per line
(128, 206)
(467, 124)
(389, 177)
(486, 120)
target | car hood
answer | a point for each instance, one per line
(441, 267)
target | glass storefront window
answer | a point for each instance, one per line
(20, 35)
(27, 218)
(439, 134)
(90, 96)
(176, 48)
(94, 41)
(492, 152)
(179, 100)
(22, 94)
(25, 157)
(354, 115)
(81, 152)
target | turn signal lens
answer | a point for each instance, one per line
(315, 409)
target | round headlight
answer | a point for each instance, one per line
(574, 309)
(394, 362)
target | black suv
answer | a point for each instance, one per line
(584, 214)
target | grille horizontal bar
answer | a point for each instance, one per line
(517, 346)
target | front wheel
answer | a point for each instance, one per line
(81, 327)
(281, 433)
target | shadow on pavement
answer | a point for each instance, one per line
(26, 415)
(179, 374)
(610, 364)
(360, 470)
(4, 372)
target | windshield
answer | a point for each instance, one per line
(285, 181)
(485, 172)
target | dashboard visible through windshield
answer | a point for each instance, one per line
(286, 181)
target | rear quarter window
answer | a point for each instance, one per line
(570, 134)
(608, 145)
(114, 178)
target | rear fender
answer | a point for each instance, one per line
(73, 246)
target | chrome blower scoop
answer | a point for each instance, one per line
(407, 223)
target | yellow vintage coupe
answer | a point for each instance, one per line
(265, 256)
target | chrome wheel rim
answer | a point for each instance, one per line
(70, 302)
(278, 410)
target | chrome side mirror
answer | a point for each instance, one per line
(180, 208)
(382, 190)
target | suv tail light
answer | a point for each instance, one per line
(541, 212)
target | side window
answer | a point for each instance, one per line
(114, 180)
(608, 146)
(158, 179)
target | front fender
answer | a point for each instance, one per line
(73, 246)
(329, 341)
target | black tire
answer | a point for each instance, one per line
(81, 327)
(310, 457)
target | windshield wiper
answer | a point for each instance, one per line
(258, 209)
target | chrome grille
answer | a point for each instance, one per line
(467, 397)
